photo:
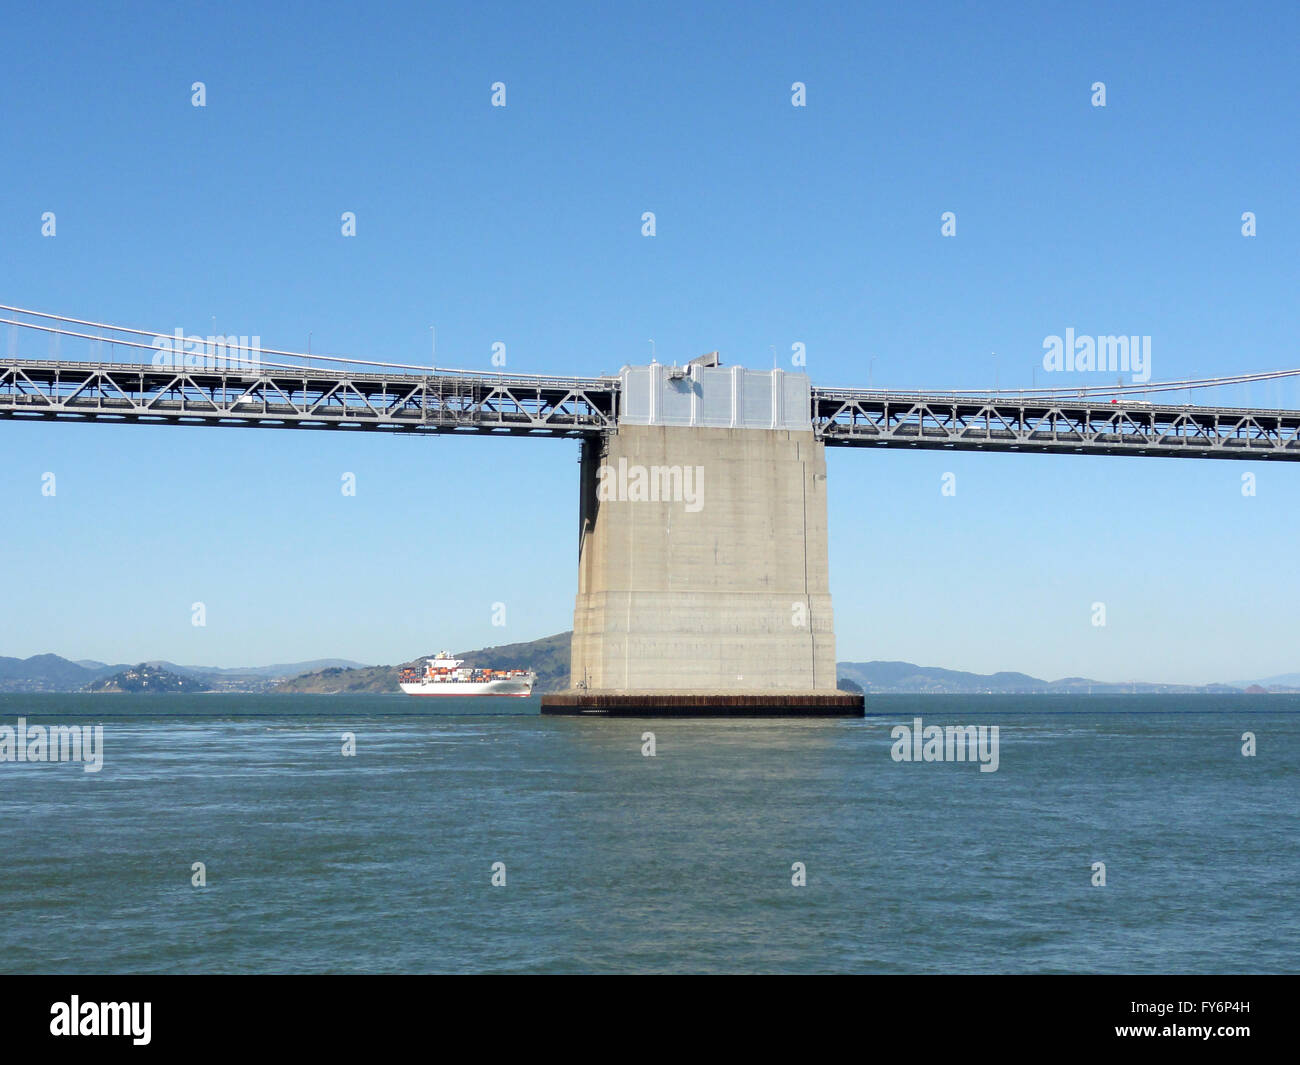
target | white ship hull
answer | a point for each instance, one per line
(445, 674)
(518, 688)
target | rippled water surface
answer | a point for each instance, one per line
(614, 861)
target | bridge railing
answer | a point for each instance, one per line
(109, 345)
(275, 369)
(1014, 400)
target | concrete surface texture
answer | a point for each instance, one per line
(703, 562)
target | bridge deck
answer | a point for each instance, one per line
(441, 402)
(1088, 425)
(254, 396)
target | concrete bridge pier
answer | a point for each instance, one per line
(703, 587)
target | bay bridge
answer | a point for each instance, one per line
(677, 611)
(244, 389)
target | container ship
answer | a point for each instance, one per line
(445, 675)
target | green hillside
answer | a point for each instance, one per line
(146, 678)
(547, 657)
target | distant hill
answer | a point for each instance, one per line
(50, 673)
(907, 678)
(1281, 681)
(368, 680)
(145, 678)
(547, 657)
(253, 678)
(275, 672)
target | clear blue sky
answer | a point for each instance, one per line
(775, 225)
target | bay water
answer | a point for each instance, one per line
(615, 861)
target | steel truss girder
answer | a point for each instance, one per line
(242, 396)
(845, 418)
(568, 406)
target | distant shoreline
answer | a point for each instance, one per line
(549, 658)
